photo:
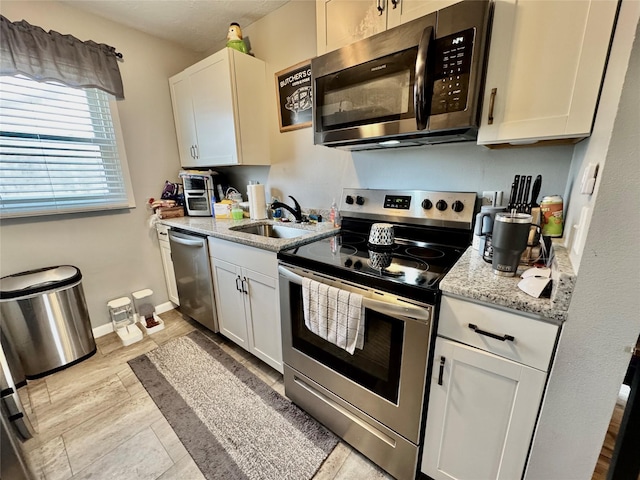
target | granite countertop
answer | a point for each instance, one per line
(223, 228)
(472, 278)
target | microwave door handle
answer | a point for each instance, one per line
(421, 100)
(420, 314)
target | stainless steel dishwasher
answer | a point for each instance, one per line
(190, 256)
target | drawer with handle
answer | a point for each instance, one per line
(516, 337)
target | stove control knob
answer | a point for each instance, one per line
(349, 200)
(457, 206)
(427, 204)
(441, 205)
(348, 262)
(357, 265)
(359, 200)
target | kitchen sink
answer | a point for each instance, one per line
(271, 231)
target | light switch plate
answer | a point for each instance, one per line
(589, 179)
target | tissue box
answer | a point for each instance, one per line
(222, 209)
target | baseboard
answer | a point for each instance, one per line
(164, 307)
(107, 328)
(103, 330)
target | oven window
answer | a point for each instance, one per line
(376, 367)
(380, 90)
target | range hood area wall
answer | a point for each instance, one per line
(315, 175)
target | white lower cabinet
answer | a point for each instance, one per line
(481, 415)
(167, 263)
(247, 299)
(483, 406)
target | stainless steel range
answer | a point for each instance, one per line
(374, 397)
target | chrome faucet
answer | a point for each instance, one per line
(296, 212)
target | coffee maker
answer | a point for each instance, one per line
(483, 232)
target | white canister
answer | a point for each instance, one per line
(381, 234)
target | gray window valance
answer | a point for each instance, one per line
(41, 55)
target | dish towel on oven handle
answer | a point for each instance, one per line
(333, 314)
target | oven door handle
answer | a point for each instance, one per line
(421, 314)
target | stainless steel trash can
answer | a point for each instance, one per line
(44, 316)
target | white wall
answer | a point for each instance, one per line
(315, 174)
(116, 252)
(594, 149)
(604, 316)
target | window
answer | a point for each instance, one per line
(58, 150)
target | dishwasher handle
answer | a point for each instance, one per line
(184, 241)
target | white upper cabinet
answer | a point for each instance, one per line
(219, 107)
(545, 69)
(403, 11)
(341, 22)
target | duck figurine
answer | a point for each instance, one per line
(234, 37)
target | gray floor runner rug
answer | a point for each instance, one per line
(232, 423)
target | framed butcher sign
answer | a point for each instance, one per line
(293, 87)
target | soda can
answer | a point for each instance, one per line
(551, 219)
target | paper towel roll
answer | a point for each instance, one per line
(257, 202)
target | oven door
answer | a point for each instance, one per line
(386, 378)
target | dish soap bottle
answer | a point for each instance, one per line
(334, 215)
(276, 213)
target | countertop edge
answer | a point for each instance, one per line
(472, 278)
(223, 229)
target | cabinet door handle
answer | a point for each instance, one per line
(195, 149)
(244, 282)
(441, 373)
(492, 102)
(395, 3)
(502, 338)
(237, 285)
(380, 6)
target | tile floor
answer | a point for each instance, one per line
(95, 419)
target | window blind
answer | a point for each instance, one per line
(58, 151)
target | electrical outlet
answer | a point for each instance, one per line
(493, 197)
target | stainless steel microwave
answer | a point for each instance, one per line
(418, 83)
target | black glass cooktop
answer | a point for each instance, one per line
(409, 267)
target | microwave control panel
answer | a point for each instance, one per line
(452, 67)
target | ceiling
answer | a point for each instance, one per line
(198, 25)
